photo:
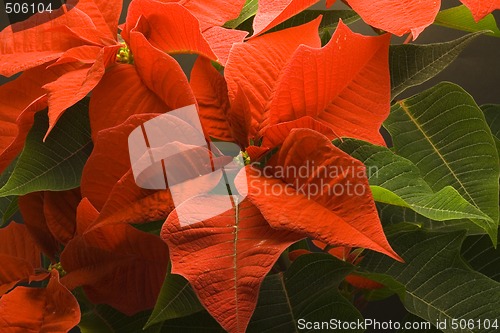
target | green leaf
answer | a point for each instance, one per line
(105, 319)
(9, 211)
(8, 205)
(176, 299)
(300, 245)
(492, 115)
(200, 322)
(461, 18)
(391, 286)
(439, 285)
(444, 133)
(57, 163)
(391, 215)
(325, 37)
(249, 10)
(481, 256)
(412, 64)
(416, 325)
(395, 180)
(308, 290)
(153, 228)
(328, 23)
(379, 294)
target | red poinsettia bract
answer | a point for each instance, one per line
(284, 103)
(63, 59)
(117, 265)
(20, 257)
(347, 89)
(52, 309)
(66, 57)
(282, 98)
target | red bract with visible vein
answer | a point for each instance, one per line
(111, 144)
(411, 16)
(60, 213)
(52, 309)
(309, 204)
(111, 187)
(210, 89)
(348, 89)
(84, 36)
(116, 265)
(50, 218)
(226, 257)
(151, 80)
(345, 85)
(19, 255)
(83, 40)
(480, 9)
(268, 54)
(272, 13)
(188, 25)
(31, 206)
(280, 96)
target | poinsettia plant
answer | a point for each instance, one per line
(282, 187)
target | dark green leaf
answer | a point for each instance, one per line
(200, 322)
(308, 290)
(412, 323)
(379, 294)
(439, 285)
(57, 163)
(325, 37)
(444, 133)
(9, 211)
(300, 245)
(176, 299)
(482, 256)
(461, 18)
(153, 228)
(105, 319)
(412, 64)
(391, 286)
(328, 23)
(395, 180)
(391, 215)
(492, 115)
(8, 205)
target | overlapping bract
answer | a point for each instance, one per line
(50, 309)
(331, 189)
(282, 98)
(411, 16)
(19, 254)
(73, 50)
(78, 44)
(226, 257)
(116, 265)
(347, 89)
(344, 85)
(286, 105)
